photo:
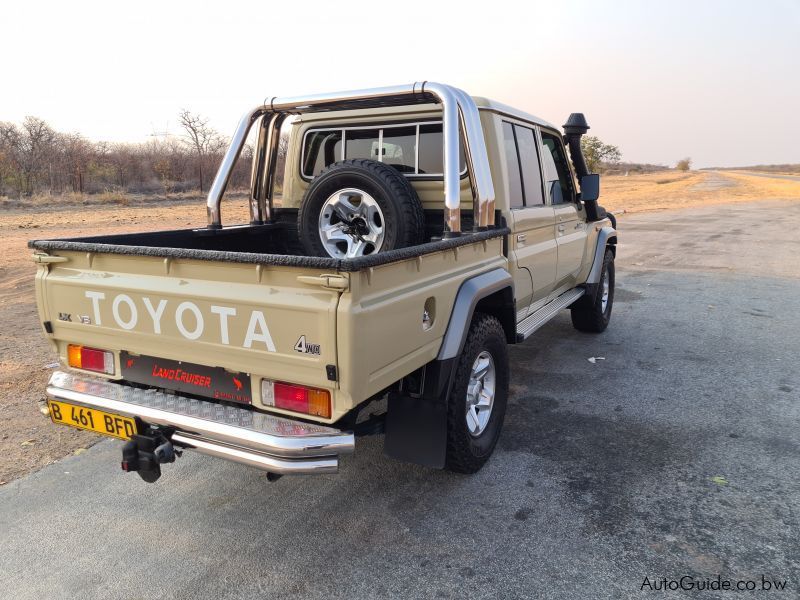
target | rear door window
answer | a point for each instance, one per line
(516, 199)
(529, 162)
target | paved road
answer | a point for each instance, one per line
(676, 455)
(712, 182)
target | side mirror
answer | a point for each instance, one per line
(590, 187)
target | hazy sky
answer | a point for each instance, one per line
(718, 81)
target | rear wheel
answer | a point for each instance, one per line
(477, 404)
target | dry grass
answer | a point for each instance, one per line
(38, 201)
(765, 187)
(660, 191)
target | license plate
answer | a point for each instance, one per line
(91, 419)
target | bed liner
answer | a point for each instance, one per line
(233, 244)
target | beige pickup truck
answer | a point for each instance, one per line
(399, 242)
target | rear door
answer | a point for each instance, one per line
(532, 240)
(570, 218)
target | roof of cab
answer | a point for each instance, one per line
(499, 107)
(481, 102)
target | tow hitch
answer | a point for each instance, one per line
(146, 452)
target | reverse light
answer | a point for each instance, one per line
(296, 398)
(90, 359)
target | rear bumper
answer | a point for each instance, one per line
(267, 442)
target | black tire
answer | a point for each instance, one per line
(587, 313)
(403, 218)
(467, 453)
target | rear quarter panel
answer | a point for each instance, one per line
(380, 333)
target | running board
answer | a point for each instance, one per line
(533, 322)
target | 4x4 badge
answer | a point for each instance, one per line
(304, 347)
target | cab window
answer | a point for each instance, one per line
(322, 148)
(400, 148)
(557, 176)
(361, 143)
(414, 149)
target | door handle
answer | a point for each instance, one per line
(521, 237)
(561, 228)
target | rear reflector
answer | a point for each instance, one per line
(90, 359)
(296, 398)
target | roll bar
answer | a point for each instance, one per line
(459, 116)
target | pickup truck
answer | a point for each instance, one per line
(401, 240)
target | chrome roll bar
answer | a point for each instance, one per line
(460, 121)
(223, 175)
(262, 180)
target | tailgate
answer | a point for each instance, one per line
(275, 322)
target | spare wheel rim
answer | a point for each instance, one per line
(351, 224)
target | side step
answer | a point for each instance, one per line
(533, 322)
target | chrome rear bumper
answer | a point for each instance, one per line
(271, 443)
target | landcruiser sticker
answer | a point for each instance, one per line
(189, 319)
(211, 382)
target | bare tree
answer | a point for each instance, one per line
(35, 158)
(28, 149)
(204, 140)
(164, 169)
(76, 153)
(8, 167)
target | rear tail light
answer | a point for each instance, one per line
(296, 398)
(90, 359)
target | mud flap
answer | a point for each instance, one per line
(416, 425)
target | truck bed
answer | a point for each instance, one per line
(270, 244)
(241, 300)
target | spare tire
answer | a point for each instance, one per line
(357, 208)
